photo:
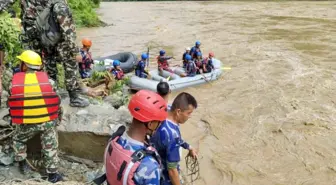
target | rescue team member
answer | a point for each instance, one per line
(168, 140)
(34, 109)
(117, 71)
(163, 61)
(163, 90)
(195, 49)
(140, 67)
(129, 160)
(198, 62)
(191, 68)
(85, 66)
(185, 62)
(49, 29)
(208, 64)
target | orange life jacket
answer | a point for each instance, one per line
(32, 99)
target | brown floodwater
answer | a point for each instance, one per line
(271, 119)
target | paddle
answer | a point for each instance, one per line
(147, 57)
(225, 68)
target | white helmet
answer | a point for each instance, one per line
(187, 49)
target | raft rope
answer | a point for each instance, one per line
(193, 169)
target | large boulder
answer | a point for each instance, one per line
(84, 132)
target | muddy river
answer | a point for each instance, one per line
(271, 119)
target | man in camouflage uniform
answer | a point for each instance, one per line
(30, 63)
(65, 51)
(4, 4)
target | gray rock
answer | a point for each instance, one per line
(116, 99)
(82, 112)
(84, 132)
(6, 159)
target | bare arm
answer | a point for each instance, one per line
(174, 176)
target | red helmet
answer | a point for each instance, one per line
(211, 54)
(147, 106)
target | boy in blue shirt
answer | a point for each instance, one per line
(168, 140)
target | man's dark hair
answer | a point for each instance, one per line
(162, 88)
(182, 101)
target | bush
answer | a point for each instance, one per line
(9, 38)
(84, 13)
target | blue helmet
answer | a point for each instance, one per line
(198, 54)
(162, 52)
(198, 43)
(144, 56)
(188, 57)
(116, 63)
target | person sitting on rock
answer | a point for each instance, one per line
(129, 159)
(85, 66)
(141, 66)
(117, 71)
(34, 109)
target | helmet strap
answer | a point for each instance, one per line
(151, 130)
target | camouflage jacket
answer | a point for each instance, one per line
(4, 4)
(63, 16)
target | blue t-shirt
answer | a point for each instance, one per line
(148, 171)
(168, 142)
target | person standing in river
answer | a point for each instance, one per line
(49, 29)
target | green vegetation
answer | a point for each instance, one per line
(119, 85)
(9, 38)
(84, 13)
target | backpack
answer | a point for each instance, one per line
(48, 29)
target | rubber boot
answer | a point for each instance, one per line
(55, 177)
(24, 167)
(76, 101)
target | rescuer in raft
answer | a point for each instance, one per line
(34, 108)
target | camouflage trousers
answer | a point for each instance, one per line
(49, 141)
(51, 58)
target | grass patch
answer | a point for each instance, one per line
(84, 12)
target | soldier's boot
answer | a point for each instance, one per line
(24, 167)
(55, 177)
(76, 101)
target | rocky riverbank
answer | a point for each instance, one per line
(83, 134)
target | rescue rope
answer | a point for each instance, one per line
(27, 161)
(193, 169)
(3, 132)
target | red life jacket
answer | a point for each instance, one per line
(32, 99)
(162, 63)
(119, 74)
(121, 164)
(86, 63)
(198, 63)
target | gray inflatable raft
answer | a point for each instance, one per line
(176, 82)
(127, 62)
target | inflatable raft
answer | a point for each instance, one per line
(127, 62)
(175, 81)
